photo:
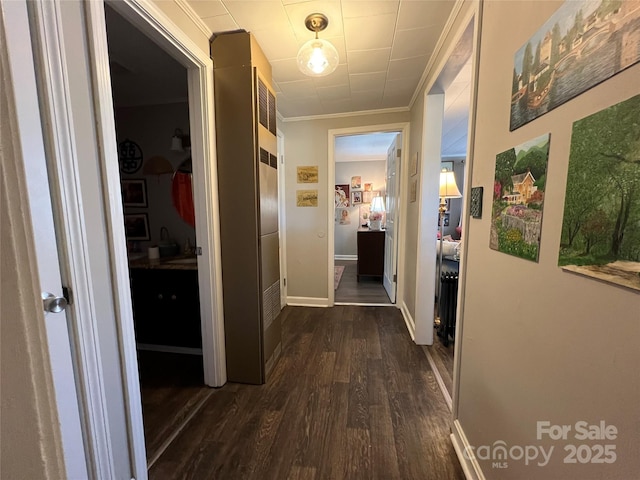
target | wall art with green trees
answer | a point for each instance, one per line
(582, 44)
(601, 223)
(518, 198)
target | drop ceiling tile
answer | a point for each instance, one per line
(407, 67)
(394, 101)
(299, 89)
(368, 33)
(287, 71)
(205, 9)
(360, 8)
(333, 93)
(221, 23)
(420, 14)
(257, 15)
(367, 81)
(337, 106)
(339, 77)
(306, 108)
(402, 86)
(414, 43)
(277, 43)
(367, 96)
(368, 61)
(297, 12)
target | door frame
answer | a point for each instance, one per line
(146, 16)
(403, 128)
(282, 219)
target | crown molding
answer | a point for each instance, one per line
(439, 46)
(193, 16)
(346, 114)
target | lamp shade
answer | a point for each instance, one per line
(377, 205)
(448, 186)
(317, 58)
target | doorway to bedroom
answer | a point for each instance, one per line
(366, 187)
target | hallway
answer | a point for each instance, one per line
(352, 397)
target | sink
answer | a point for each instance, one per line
(190, 260)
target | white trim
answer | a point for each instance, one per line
(168, 349)
(308, 301)
(194, 17)
(73, 242)
(476, 17)
(470, 466)
(439, 380)
(282, 218)
(346, 114)
(408, 320)
(403, 128)
(146, 16)
(360, 304)
(441, 40)
(345, 257)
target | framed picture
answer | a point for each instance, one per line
(356, 182)
(356, 198)
(367, 197)
(446, 166)
(308, 174)
(368, 187)
(306, 198)
(342, 196)
(446, 220)
(136, 226)
(134, 192)
(414, 165)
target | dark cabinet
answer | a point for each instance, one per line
(370, 253)
(166, 307)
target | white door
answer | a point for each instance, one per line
(393, 182)
(33, 152)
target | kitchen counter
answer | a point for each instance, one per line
(180, 262)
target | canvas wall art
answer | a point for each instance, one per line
(343, 216)
(306, 198)
(601, 221)
(356, 181)
(307, 174)
(518, 198)
(582, 44)
(342, 196)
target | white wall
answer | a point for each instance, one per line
(151, 127)
(306, 143)
(539, 343)
(371, 172)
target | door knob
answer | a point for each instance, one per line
(53, 304)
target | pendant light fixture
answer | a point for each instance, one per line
(317, 57)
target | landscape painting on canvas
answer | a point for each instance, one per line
(582, 44)
(518, 198)
(601, 222)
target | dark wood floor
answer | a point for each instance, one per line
(352, 397)
(367, 290)
(172, 386)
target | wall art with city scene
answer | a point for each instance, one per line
(518, 198)
(582, 44)
(601, 222)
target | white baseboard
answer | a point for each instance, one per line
(470, 466)
(345, 257)
(408, 320)
(169, 349)
(307, 302)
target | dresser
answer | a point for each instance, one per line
(370, 253)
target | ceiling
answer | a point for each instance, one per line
(384, 47)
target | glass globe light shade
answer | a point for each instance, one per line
(317, 58)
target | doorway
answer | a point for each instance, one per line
(447, 128)
(364, 164)
(154, 148)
